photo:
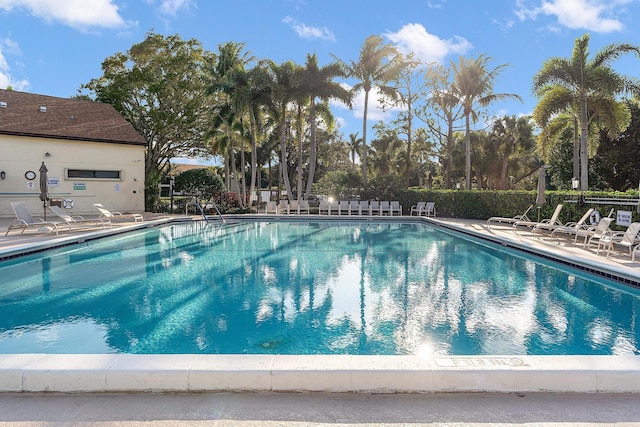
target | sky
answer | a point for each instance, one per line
(52, 47)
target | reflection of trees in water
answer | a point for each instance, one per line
(269, 287)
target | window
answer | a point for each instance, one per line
(93, 174)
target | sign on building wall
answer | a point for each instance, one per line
(116, 186)
(79, 186)
(54, 182)
(623, 218)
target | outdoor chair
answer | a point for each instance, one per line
(511, 220)
(417, 208)
(354, 207)
(294, 207)
(271, 207)
(628, 239)
(303, 207)
(569, 227)
(549, 221)
(324, 207)
(395, 208)
(343, 206)
(429, 209)
(595, 233)
(364, 207)
(79, 221)
(374, 207)
(385, 208)
(112, 216)
(24, 220)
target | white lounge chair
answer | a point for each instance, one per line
(112, 216)
(417, 208)
(324, 207)
(595, 233)
(78, 220)
(294, 206)
(24, 220)
(395, 208)
(568, 227)
(364, 207)
(303, 207)
(271, 208)
(511, 220)
(429, 209)
(283, 207)
(531, 224)
(385, 208)
(374, 207)
(629, 239)
(354, 207)
(343, 206)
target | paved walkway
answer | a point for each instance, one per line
(319, 409)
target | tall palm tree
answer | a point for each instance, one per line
(377, 65)
(473, 87)
(355, 144)
(318, 82)
(588, 86)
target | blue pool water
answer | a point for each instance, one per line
(307, 288)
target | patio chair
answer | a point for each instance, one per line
(569, 227)
(429, 209)
(294, 206)
(374, 207)
(79, 221)
(354, 207)
(284, 207)
(417, 208)
(24, 220)
(271, 207)
(629, 239)
(549, 221)
(385, 208)
(111, 216)
(324, 207)
(364, 207)
(303, 207)
(596, 232)
(511, 220)
(395, 208)
(343, 206)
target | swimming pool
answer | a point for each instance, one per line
(363, 288)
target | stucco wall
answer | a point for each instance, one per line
(21, 154)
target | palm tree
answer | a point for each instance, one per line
(588, 87)
(377, 64)
(512, 135)
(318, 83)
(473, 86)
(354, 146)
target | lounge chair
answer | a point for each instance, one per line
(24, 220)
(303, 207)
(511, 220)
(354, 207)
(374, 207)
(385, 208)
(294, 206)
(549, 221)
(343, 206)
(364, 207)
(429, 209)
(111, 216)
(324, 207)
(569, 227)
(271, 207)
(629, 239)
(79, 221)
(417, 208)
(283, 207)
(597, 232)
(395, 208)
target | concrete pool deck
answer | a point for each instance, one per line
(595, 375)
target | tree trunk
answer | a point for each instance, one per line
(467, 152)
(313, 148)
(283, 153)
(364, 151)
(254, 155)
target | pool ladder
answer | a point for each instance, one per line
(204, 216)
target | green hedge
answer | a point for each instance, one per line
(486, 203)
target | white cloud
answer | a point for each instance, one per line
(172, 7)
(375, 111)
(306, 32)
(8, 46)
(79, 14)
(593, 15)
(414, 38)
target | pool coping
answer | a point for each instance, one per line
(96, 373)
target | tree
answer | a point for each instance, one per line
(159, 86)
(377, 65)
(355, 144)
(473, 87)
(588, 87)
(318, 82)
(514, 138)
(200, 183)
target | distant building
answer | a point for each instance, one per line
(93, 155)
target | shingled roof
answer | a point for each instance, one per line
(27, 114)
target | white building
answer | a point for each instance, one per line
(92, 154)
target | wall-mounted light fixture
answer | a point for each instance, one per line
(575, 183)
(3, 175)
(47, 154)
